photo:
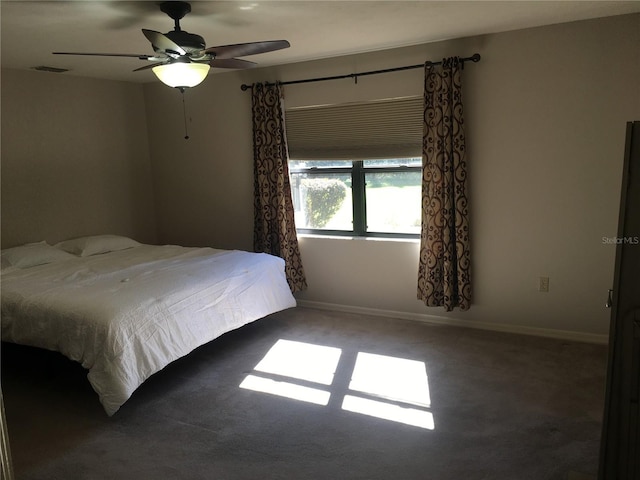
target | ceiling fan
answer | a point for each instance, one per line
(182, 59)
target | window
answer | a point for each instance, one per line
(380, 197)
(356, 168)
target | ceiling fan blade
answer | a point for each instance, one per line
(163, 43)
(231, 63)
(244, 49)
(146, 67)
(131, 55)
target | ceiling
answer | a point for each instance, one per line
(30, 31)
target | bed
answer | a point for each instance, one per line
(125, 310)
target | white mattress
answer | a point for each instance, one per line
(126, 315)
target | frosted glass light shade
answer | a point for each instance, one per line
(181, 75)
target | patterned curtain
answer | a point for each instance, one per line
(445, 259)
(274, 225)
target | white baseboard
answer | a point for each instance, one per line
(456, 322)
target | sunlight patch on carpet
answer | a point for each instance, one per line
(400, 385)
(286, 389)
(390, 388)
(388, 411)
(289, 361)
(392, 378)
(304, 361)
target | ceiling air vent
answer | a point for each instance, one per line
(44, 68)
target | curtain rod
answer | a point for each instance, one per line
(473, 58)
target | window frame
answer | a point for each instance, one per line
(358, 173)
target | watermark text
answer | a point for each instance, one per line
(621, 240)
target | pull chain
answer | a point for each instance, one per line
(184, 113)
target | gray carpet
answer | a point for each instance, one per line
(503, 407)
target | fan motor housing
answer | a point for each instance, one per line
(190, 42)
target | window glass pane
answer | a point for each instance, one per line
(322, 200)
(393, 201)
(394, 162)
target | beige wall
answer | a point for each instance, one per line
(75, 159)
(545, 115)
(203, 185)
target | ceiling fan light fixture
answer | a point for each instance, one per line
(182, 75)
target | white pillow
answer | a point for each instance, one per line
(93, 245)
(32, 254)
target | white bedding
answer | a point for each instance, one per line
(126, 315)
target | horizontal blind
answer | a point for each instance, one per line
(390, 128)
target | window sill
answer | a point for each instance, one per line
(359, 238)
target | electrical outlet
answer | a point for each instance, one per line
(543, 284)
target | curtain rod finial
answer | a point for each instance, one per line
(244, 87)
